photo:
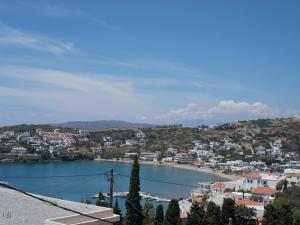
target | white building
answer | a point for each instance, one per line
(83, 132)
(9, 133)
(149, 156)
(183, 158)
(129, 142)
(253, 180)
(140, 135)
(172, 150)
(167, 159)
(258, 207)
(107, 141)
(214, 145)
(23, 136)
(107, 138)
(18, 150)
(56, 148)
(260, 150)
(267, 194)
(130, 155)
(35, 140)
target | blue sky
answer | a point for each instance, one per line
(148, 61)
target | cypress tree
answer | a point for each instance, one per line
(213, 214)
(196, 216)
(173, 213)
(133, 206)
(159, 215)
(228, 210)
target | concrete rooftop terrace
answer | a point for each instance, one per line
(19, 209)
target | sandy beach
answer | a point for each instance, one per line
(179, 166)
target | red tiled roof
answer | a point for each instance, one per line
(295, 174)
(247, 202)
(263, 190)
(219, 185)
(252, 175)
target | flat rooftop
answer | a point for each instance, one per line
(19, 209)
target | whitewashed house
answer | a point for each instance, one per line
(18, 150)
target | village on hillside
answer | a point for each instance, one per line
(261, 155)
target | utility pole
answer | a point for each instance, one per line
(111, 187)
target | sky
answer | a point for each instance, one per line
(160, 62)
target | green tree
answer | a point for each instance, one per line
(159, 215)
(134, 214)
(282, 185)
(228, 210)
(101, 200)
(117, 210)
(296, 216)
(173, 213)
(213, 213)
(285, 215)
(196, 216)
(270, 216)
(148, 211)
(244, 215)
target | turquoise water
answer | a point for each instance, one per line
(81, 188)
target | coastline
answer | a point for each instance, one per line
(178, 166)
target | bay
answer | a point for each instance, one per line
(81, 188)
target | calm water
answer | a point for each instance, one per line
(81, 188)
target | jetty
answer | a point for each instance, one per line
(142, 194)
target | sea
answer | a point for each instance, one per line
(79, 180)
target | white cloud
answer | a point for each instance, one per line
(232, 107)
(223, 110)
(10, 36)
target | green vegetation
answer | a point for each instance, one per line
(285, 210)
(213, 214)
(101, 200)
(261, 133)
(159, 215)
(228, 210)
(173, 213)
(196, 216)
(133, 205)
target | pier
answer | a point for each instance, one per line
(142, 194)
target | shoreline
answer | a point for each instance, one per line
(178, 166)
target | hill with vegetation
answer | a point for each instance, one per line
(103, 124)
(246, 137)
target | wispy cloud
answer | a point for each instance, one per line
(10, 36)
(69, 95)
(222, 111)
(57, 11)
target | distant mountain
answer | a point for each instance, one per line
(103, 124)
